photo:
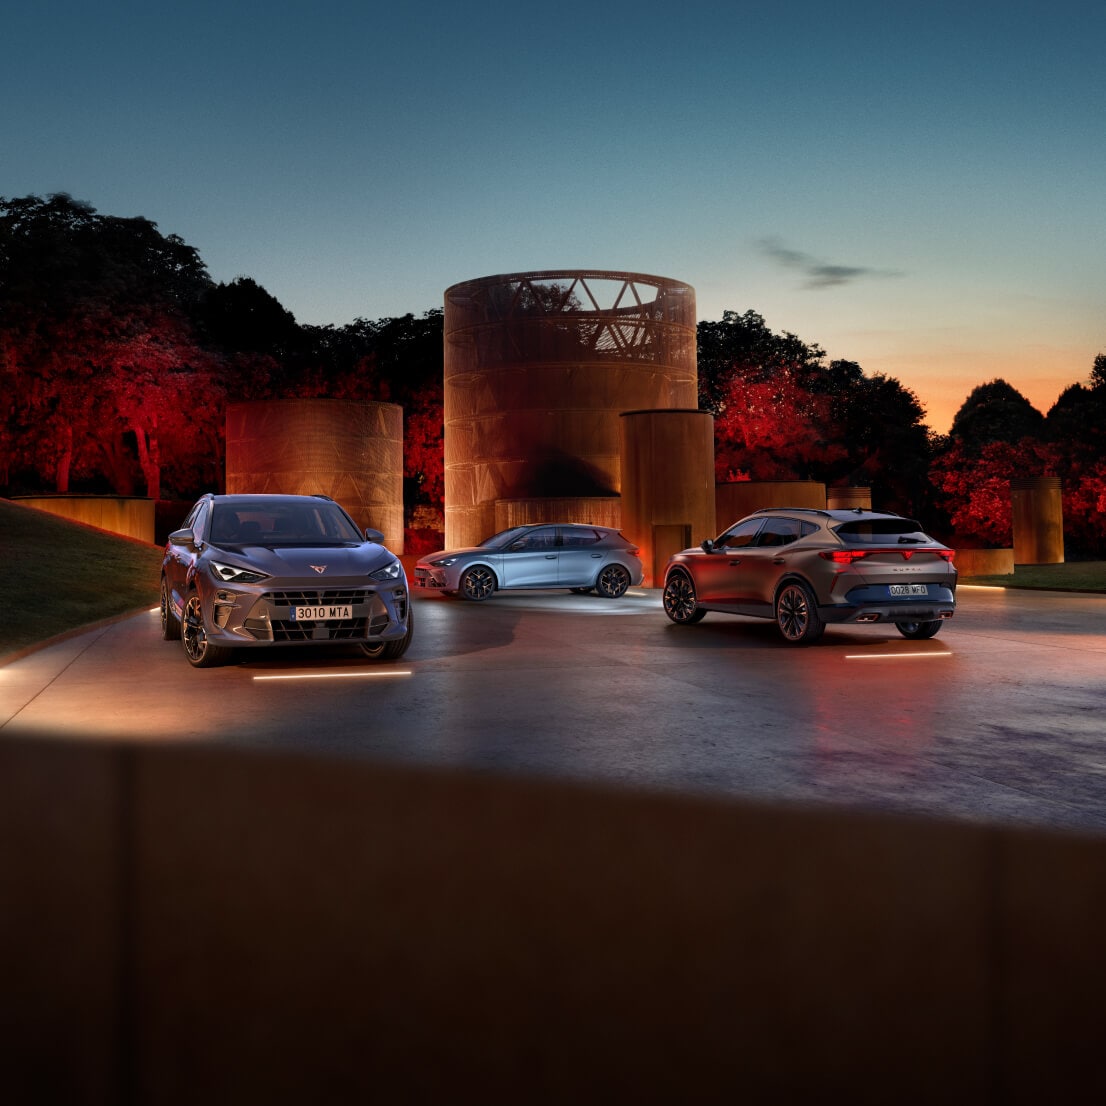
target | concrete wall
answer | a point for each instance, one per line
(187, 924)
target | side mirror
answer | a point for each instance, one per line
(185, 537)
(707, 546)
(374, 535)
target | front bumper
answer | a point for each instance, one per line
(266, 617)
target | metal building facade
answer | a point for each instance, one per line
(352, 452)
(538, 367)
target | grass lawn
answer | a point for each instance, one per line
(1070, 576)
(58, 575)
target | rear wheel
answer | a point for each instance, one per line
(918, 631)
(613, 582)
(477, 583)
(170, 627)
(797, 615)
(201, 653)
(679, 600)
(391, 650)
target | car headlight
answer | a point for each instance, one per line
(232, 574)
(445, 562)
(389, 572)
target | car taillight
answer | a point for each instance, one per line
(848, 556)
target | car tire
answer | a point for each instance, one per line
(199, 650)
(918, 631)
(797, 617)
(679, 601)
(612, 582)
(170, 626)
(477, 583)
(390, 650)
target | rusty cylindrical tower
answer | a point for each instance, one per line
(538, 367)
(352, 452)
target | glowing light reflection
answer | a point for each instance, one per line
(892, 656)
(334, 675)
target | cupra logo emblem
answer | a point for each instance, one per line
(319, 568)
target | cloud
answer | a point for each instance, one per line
(820, 274)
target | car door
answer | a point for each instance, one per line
(763, 563)
(580, 556)
(716, 573)
(530, 561)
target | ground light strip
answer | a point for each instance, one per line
(334, 675)
(891, 656)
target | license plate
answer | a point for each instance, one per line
(321, 614)
(907, 589)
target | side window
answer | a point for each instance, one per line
(535, 541)
(780, 531)
(574, 537)
(199, 521)
(741, 535)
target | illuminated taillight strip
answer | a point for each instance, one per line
(849, 556)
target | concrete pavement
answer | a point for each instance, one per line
(998, 719)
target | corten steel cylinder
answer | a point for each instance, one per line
(352, 452)
(667, 484)
(844, 499)
(597, 510)
(1037, 514)
(538, 367)
(738, 498)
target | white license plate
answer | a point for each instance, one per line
(321, 614)
(907, 589)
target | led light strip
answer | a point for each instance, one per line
(891, 656)
(335, 675)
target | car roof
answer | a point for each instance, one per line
(231, 497)
(847, 514)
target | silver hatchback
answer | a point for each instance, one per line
(805, 568)
(576, 556)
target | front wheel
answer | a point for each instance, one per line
(391, 650)
(201, 653)
(477, 583)
(170, 627)
(918, 631)
(613, 582)
(679, 600)
(797, 615)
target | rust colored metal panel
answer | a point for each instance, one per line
(352, 452)
(1037, 513)
(597, 510)
(842, 499)
(129, 516)
(667, 481)
(538, 367)
(739, 498)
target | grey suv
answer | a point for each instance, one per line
(804, 568)
(262, 571)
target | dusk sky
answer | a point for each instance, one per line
(919, 188)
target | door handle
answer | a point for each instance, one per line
(596, 556)
(737, 562)
(778, 561)
(551, 556)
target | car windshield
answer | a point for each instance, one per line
(504, 537)
(257, 522)
(880, 531)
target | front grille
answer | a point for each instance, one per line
(345, 630)
(310, 597)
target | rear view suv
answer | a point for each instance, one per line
(805, 568)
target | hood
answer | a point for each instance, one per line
(302, 561)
